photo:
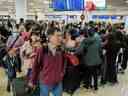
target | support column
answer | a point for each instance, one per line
(20, 9)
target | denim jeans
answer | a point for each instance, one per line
(56, 90)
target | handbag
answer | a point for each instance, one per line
(73, 59)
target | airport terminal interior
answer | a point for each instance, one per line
(63, 47)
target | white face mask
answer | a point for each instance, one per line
(15, 34)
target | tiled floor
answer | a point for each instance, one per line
(120, 89)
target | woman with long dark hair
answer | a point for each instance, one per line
(72, 75)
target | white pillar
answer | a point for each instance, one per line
(20, 9)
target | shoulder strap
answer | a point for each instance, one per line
(41, 59)
(14, 42)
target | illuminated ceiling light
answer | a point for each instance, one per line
(126, 1)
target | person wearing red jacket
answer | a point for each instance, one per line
(49, 65)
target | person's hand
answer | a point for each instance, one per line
(18, 70)
(32, 55)
(72, 53)
(31, 85)
(12, 52)
(15, 49)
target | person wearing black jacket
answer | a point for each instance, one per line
(112, 48)
(125, 54)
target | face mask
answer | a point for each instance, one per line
(15, 34)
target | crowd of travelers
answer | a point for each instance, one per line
(59, 57)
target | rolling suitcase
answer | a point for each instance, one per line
(19, 86)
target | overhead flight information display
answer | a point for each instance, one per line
(76, 5)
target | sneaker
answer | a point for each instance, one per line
(96, 88)
(85, 86)
(121, 71)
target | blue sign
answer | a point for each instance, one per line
(103, 17)
(106, 17)
(113, 17)
(94, 17)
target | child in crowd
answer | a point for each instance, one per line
(11, 64)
